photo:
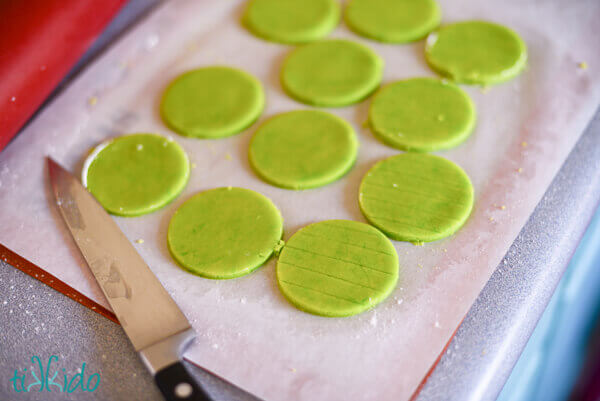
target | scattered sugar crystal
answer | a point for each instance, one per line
(152, 41)
(430, 41)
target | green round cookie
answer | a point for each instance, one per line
(136, 174)
(337, 268)
(476, 52)
(292, 21)
(416, 197)
(212, 102)
(422, 114)
(303, 149)
(224, 232)
(394, 21)
(331, 73)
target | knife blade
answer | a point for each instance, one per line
(153, 322)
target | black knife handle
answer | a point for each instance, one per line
(177, 384)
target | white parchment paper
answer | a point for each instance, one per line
(248, 333)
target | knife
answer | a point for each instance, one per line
(155, 325)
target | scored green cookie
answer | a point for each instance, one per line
(212, 102)
(416, 197)
(303, 149)
(476, 52)
(292, 21)
(225, 232)
(136, 174)
(422, 114)
(394, 21)
(337, 268)
(331, 73)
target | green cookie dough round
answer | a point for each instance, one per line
(422, 114)
(331, 73)
(394, 21)
(292, 21)
(476, 52)
(212, 102)
(416, 197)
(224, 232)
(136, 174)
(303, 149)
(337, 268)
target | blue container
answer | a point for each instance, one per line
(552, 359)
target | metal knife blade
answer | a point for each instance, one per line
(151, 319)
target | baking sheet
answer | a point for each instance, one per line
(247, 332)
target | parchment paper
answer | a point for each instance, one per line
(248, 333)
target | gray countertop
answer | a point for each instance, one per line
(36, 320)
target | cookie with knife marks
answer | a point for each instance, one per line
(337, 268)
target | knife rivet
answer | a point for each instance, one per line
(183, 390)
